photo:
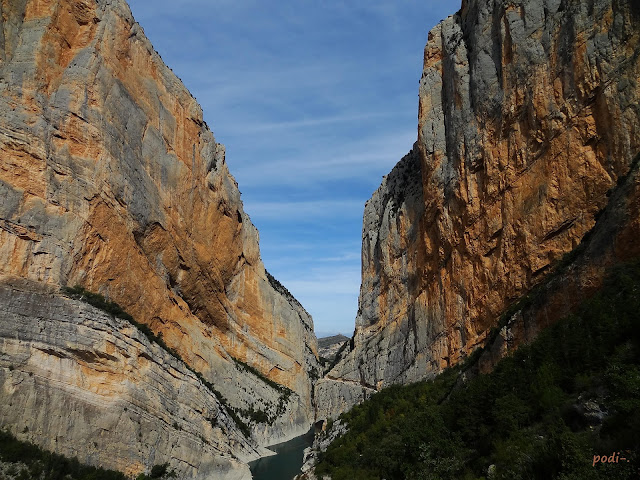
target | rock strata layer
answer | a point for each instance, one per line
(111, 180)
(81, 383)
(528, 118)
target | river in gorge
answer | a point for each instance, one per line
(286, 463)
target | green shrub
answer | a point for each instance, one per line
(47, 465)
(98, 301)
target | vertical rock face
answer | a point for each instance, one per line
(110, 179)
(528, 117)
(81, 383)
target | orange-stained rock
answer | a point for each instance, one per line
(110, 179)
(528, 117)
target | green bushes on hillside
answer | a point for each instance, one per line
(544, 413)
(43, 465)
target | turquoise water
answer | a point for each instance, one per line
(286, 464)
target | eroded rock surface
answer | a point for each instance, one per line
(528, 118)
(110, 179)
(78, 382)
(330, 347)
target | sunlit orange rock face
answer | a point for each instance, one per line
(110, 179)
(528, 118)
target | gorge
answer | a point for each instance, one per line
(138, 324)
(112, 181)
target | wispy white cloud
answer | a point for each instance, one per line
(369, 157)
(347, 257)
(327, 285)
(316, 122)
(308, 208)
(315, 101)
(328, 294)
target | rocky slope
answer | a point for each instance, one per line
(77, 381)
(528, 118)
(329, 347)
(110, 179)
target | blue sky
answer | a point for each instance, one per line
(315, 101)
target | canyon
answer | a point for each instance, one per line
(521, 189)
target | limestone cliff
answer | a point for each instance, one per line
(528, 118)
(110, 179)
(77, 381)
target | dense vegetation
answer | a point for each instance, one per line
(543, 413)
(31, 462)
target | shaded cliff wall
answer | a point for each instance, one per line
(110, 179)
(528, 117)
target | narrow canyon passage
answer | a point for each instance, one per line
(476, 317)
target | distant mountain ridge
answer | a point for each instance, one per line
(325, 342)
(331, 349)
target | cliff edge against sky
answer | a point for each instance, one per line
(528, 127)
(528, 120)
(111, 180)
